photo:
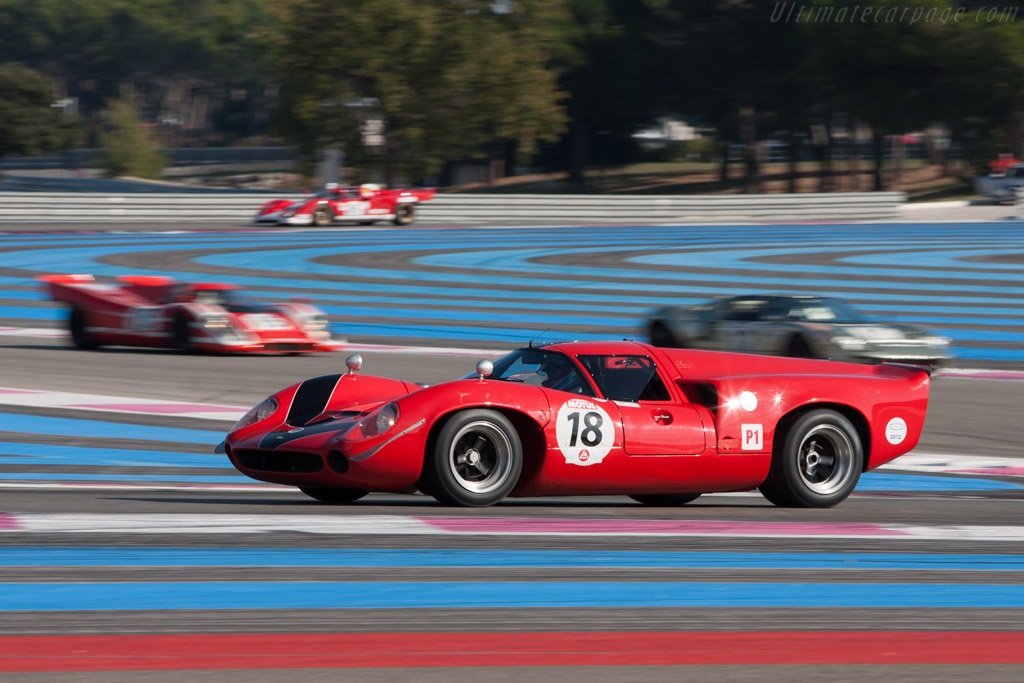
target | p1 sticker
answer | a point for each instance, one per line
(753, 437)
(584, 431)
(896, 431)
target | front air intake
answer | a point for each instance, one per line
(279, 461)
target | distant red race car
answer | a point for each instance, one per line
(365, 205)
(659, 425)
(190, 316)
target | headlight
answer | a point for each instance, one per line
(376, 423)
(258, 413)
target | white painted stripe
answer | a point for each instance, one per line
(409, 526)
(118, 404)
(217, 524)
(912, 206)
(375, 348)
(952, 463)
(33, 332)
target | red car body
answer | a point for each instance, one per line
(158, 312)
(660, 425)
(365, 205)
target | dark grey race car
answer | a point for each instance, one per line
(799, 326)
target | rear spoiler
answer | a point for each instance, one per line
(145, 280)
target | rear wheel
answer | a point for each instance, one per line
(666, 500)
(336, 496)
(322, 215)
(799, 348)
(660, 336)
(819, 463)
(80, 337)
(476, 461)
(404, 214)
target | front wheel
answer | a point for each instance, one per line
(666, 500)
(322, 215)
(476, 461)
(819, 464)
(80, 337)
(404, 214)
(336, 496)
(182, 333)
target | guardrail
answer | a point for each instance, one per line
(85, 207)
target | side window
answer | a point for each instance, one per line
(628, 378)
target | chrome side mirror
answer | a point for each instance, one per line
(484, 369)
(354, 363)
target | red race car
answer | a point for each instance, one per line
(365, 205)
(191, 316)
(659, 425)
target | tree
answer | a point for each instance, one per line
(443, 77)
(127, 147)
(29, 124)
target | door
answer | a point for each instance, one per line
(653, 423)
(661, 428)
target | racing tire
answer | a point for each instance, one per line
(819, 463)
(322, 215)
(335, 496)
(404, 214)
(476, 459)
(80, 337)
(798, 347)
(666, 500)
(181, 335)
(660, 336)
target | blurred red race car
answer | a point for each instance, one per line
(365, 205)
(590, 418)
(191, 316)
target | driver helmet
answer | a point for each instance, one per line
(368, 189)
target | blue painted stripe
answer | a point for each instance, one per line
(23, 295)
(499, 594)
(33, 313)
(16, 453)
(883, 481)
(426, 557)
(455, 333)
(63, 426)
(152, 478)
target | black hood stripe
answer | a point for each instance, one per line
(311, 399)
(274, 440)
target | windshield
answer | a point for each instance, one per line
(232, 299)
(824, 310)
(540, 368)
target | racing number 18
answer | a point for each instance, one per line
(591, 435)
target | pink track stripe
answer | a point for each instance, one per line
(155, 408)
(19, 391)
(1004, 471)
(594, 526)
(9, 522)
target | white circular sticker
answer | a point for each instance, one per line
(896, 430)
(584, 431)
(748, 401)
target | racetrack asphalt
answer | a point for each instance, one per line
(928, 562)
